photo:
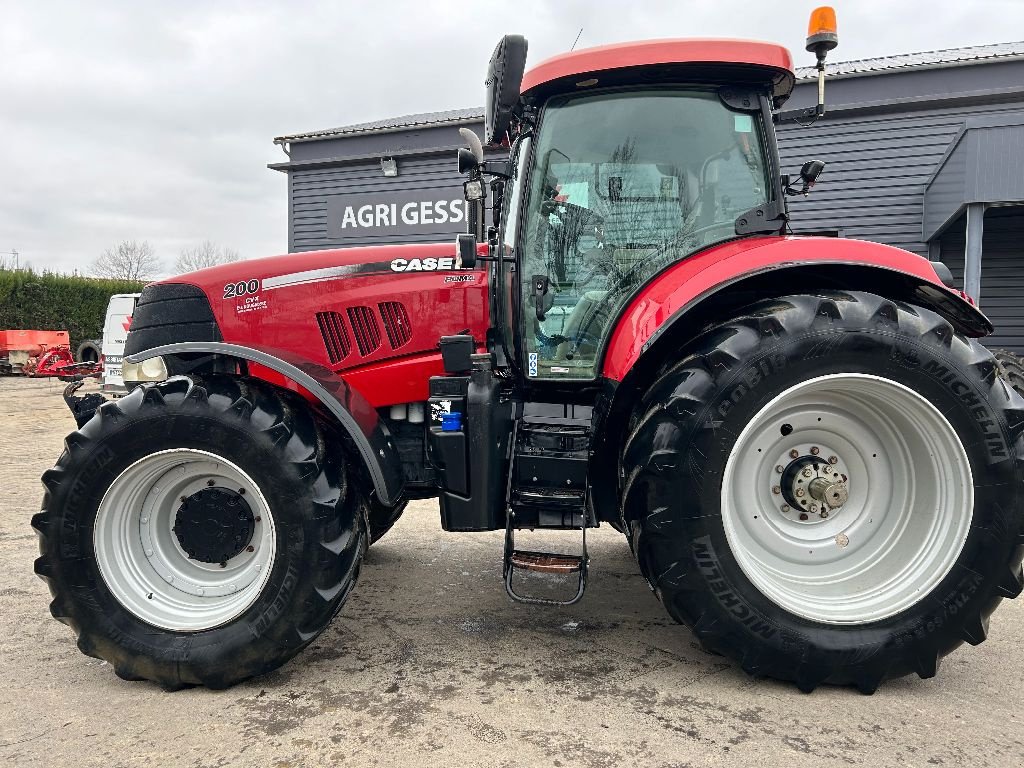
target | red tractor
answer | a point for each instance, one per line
(814, 461)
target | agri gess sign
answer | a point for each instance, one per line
(396, 214)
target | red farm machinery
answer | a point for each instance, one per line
(40, 354)
(813, 459)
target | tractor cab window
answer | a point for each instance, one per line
(622, 185)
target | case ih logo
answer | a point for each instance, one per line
(396, 213)
(429, 264)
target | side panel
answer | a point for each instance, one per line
(682, 284)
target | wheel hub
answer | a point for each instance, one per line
(214, 525)
(814, 484)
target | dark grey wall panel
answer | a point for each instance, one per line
(1002, 272)
(984, 165)
(877, 168)
(895, 88)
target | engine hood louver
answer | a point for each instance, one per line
(365, 328)
(396, 323)
(336, 339)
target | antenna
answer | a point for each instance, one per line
(576, 40)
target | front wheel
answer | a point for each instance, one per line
(199, 534)
(828, 489)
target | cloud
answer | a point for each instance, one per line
(154, 121)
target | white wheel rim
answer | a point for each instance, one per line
(144, 566)
(903, 526)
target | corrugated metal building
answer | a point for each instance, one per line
(923, 151)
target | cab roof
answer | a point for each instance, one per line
(721, 59)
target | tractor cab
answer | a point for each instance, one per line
(612, 182)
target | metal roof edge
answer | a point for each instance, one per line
(810, 74)
(341, 133)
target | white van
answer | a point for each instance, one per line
(115, 333)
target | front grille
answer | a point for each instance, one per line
(366, 329)
(336, 340)
(396, 323)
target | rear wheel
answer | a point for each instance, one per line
(1011, 368)
(199, 534)
(828, 489)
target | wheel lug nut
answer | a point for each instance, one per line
(776, 489)
(785, 507)
(799, 492)
(794, 454)
(807, 472)
(824, 513)
(833, 459)
(803, 515)
(814, 508)
(779, 468)
(815, 450)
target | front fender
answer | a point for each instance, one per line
(349, 407)
(674, 294)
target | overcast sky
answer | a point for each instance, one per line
(155, 121)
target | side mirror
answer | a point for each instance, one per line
(810, 171)
(465, 250)
(504, 78)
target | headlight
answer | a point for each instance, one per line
(152, 369)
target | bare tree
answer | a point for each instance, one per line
(129, 260)
(206, 254)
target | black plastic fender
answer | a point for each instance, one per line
(353, 413)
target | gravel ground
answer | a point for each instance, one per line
(430, 664)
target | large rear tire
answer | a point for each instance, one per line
(913, 530)
(199, 534)
(1011, 368)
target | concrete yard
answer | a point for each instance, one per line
(429, 664)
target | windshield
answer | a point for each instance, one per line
(623, 184)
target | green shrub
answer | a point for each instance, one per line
(51, 302)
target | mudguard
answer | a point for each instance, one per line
(355, 415)
(674, 293)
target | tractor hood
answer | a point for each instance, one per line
(340, 308)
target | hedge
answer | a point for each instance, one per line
(52, 302)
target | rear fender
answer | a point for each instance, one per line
(696, 291)
(349, 408)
